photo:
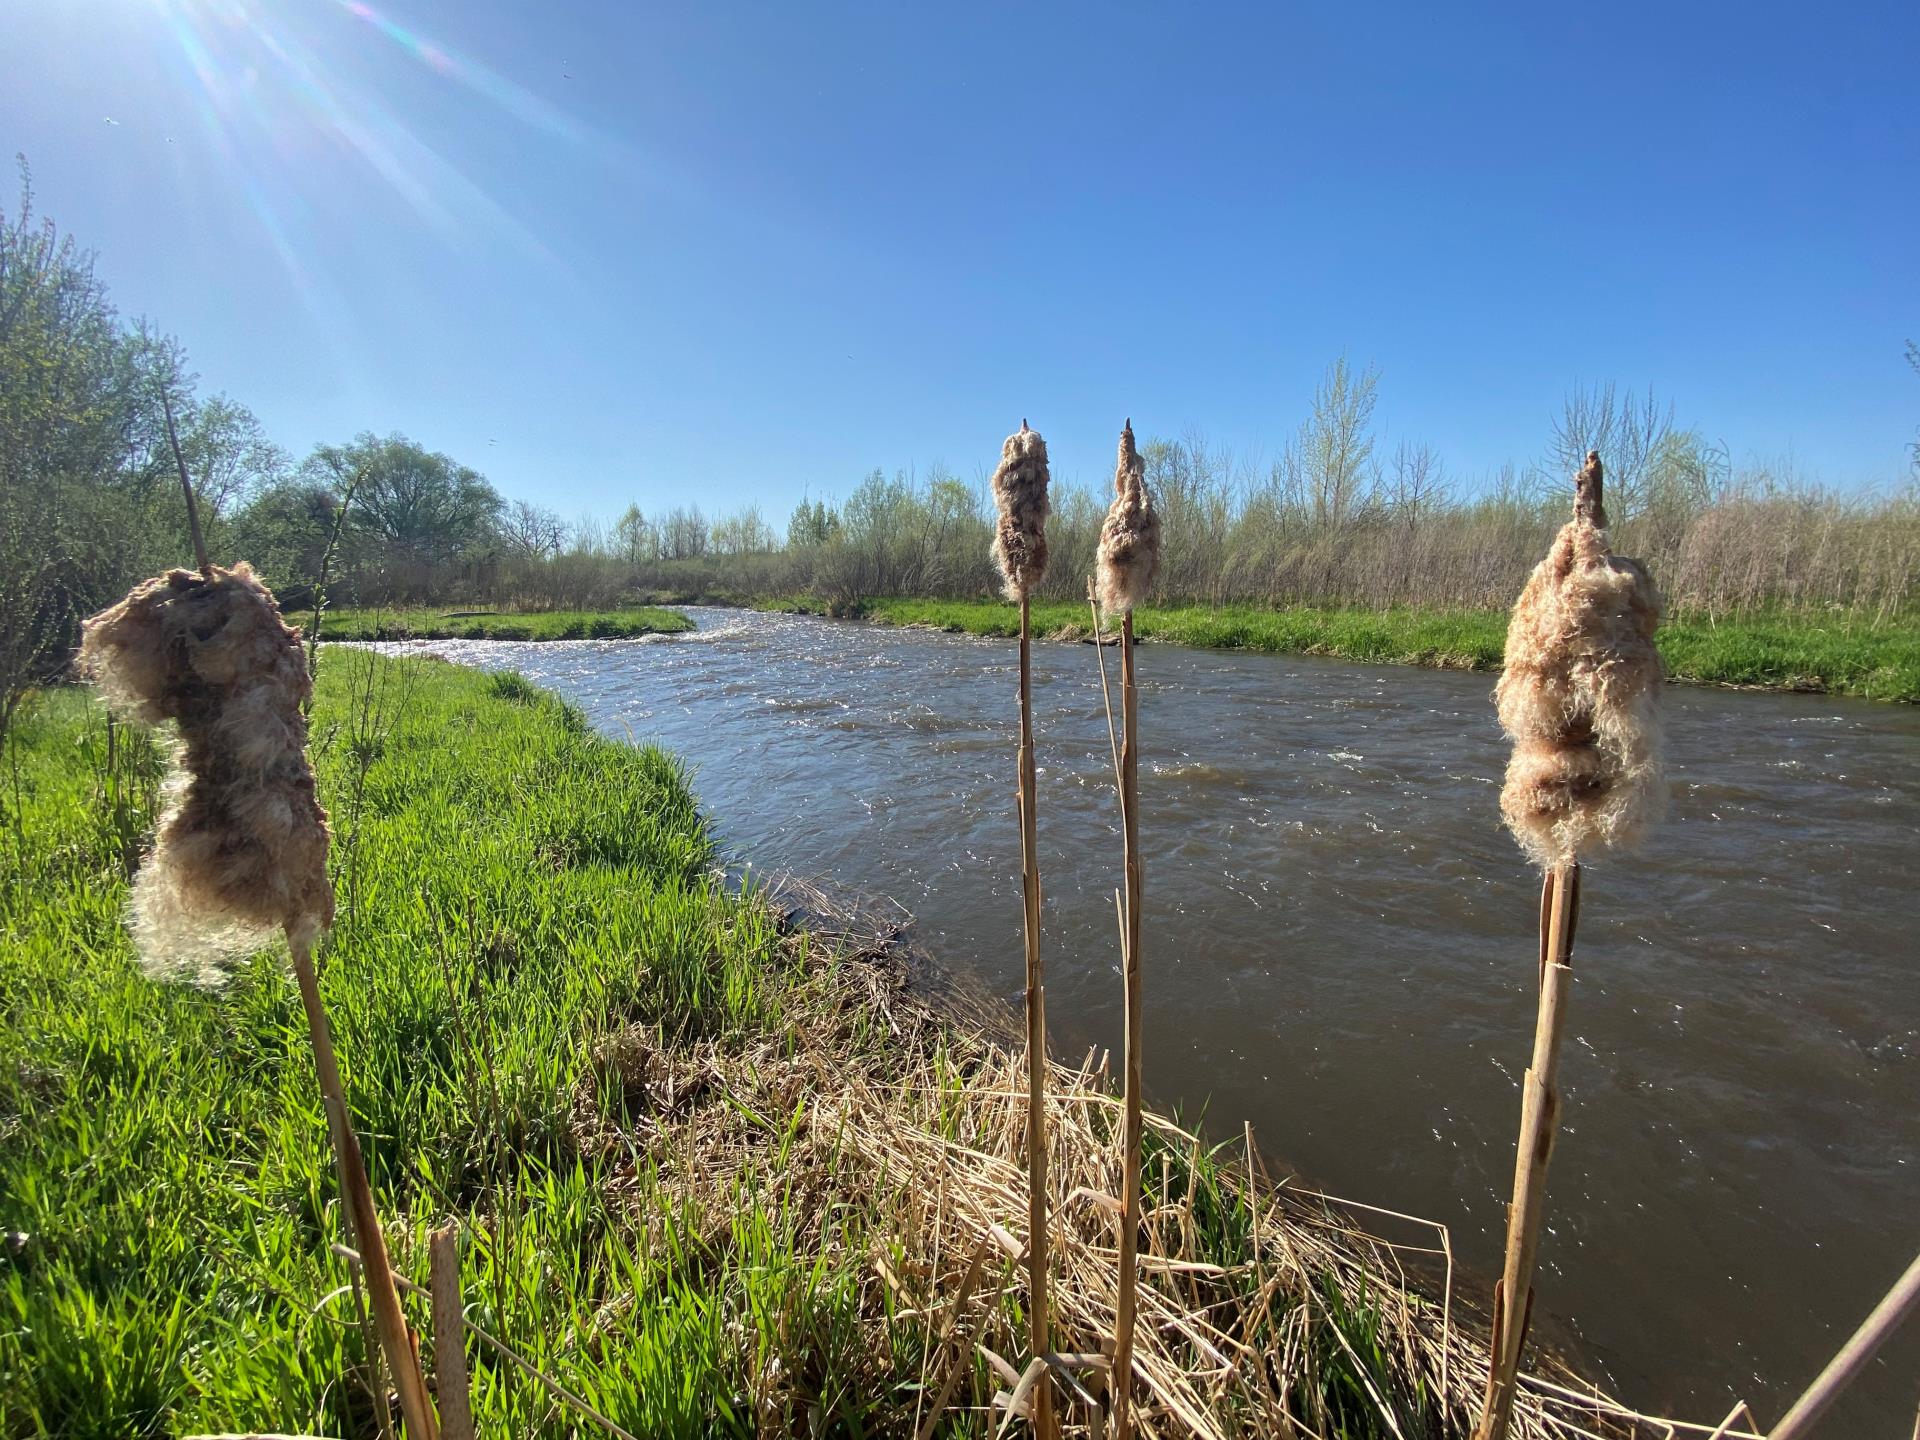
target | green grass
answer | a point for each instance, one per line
(431, 624)
(1837, 656)
(520, 889)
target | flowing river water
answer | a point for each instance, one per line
(1340, 949)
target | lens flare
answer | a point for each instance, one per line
(266, 98)
(517, 101)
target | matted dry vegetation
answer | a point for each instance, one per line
(1266, 1308)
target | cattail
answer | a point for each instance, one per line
(1580, 696)
(1130, 535)
(241, 848)
(1020, 493)
(242, 843)
(1129, 553)
(1020, 550)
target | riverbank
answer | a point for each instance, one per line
(1842, 657)
(719, 1172)
(436, 624)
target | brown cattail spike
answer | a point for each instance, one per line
(241, 850)
(1580, 694)
(1130, 535)
(1020, 495)
(1587, 499)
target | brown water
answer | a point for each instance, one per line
(1340, 948)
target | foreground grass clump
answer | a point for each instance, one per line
(431, 624)
(1839, 656)
(715, 1175)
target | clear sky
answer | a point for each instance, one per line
(723, 251)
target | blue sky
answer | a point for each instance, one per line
(723, 252)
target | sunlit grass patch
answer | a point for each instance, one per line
(433, 624)
(525, 889)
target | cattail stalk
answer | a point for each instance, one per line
(1539, 1116)
(451, 1385)
(1129, 552)
(1578, 696)
(186, 487)
(1020, 550)
(1894, 1308)
(356, 1197)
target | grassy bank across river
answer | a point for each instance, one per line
(715, 1170)
(433, 624)
(1839, 656)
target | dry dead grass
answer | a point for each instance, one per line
(1265, 1308)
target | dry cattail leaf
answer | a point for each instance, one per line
(1020, 493)
(241, 846)
(1130, 535)
(1580, 694)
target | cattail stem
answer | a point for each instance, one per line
(1106, 694)
(363, 1221)
(1131, 1096)
(451, 1385)
(1040, 1338)
(186, 487)
(1539, 1114)
(1874, 1331)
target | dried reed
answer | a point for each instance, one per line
(1579, 698)
(1020, 550)
(1129, 552)
(1854, 1356)
(241, 846)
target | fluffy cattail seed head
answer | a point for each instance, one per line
(1580, 694)
(1020, 496)
(1130, 535)
(241, 847)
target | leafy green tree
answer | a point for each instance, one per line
(80, 513)
(811, 524)
(426, 508)
(229, 455)
(285, 530)
(635, 541)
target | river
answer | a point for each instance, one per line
(1339, 948)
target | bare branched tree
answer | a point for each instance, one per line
(531, 533)
(1627, 430)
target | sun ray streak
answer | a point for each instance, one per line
(518, 101)
(262, 89)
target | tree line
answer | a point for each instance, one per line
(89, 503)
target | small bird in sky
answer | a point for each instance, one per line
(109, 119)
